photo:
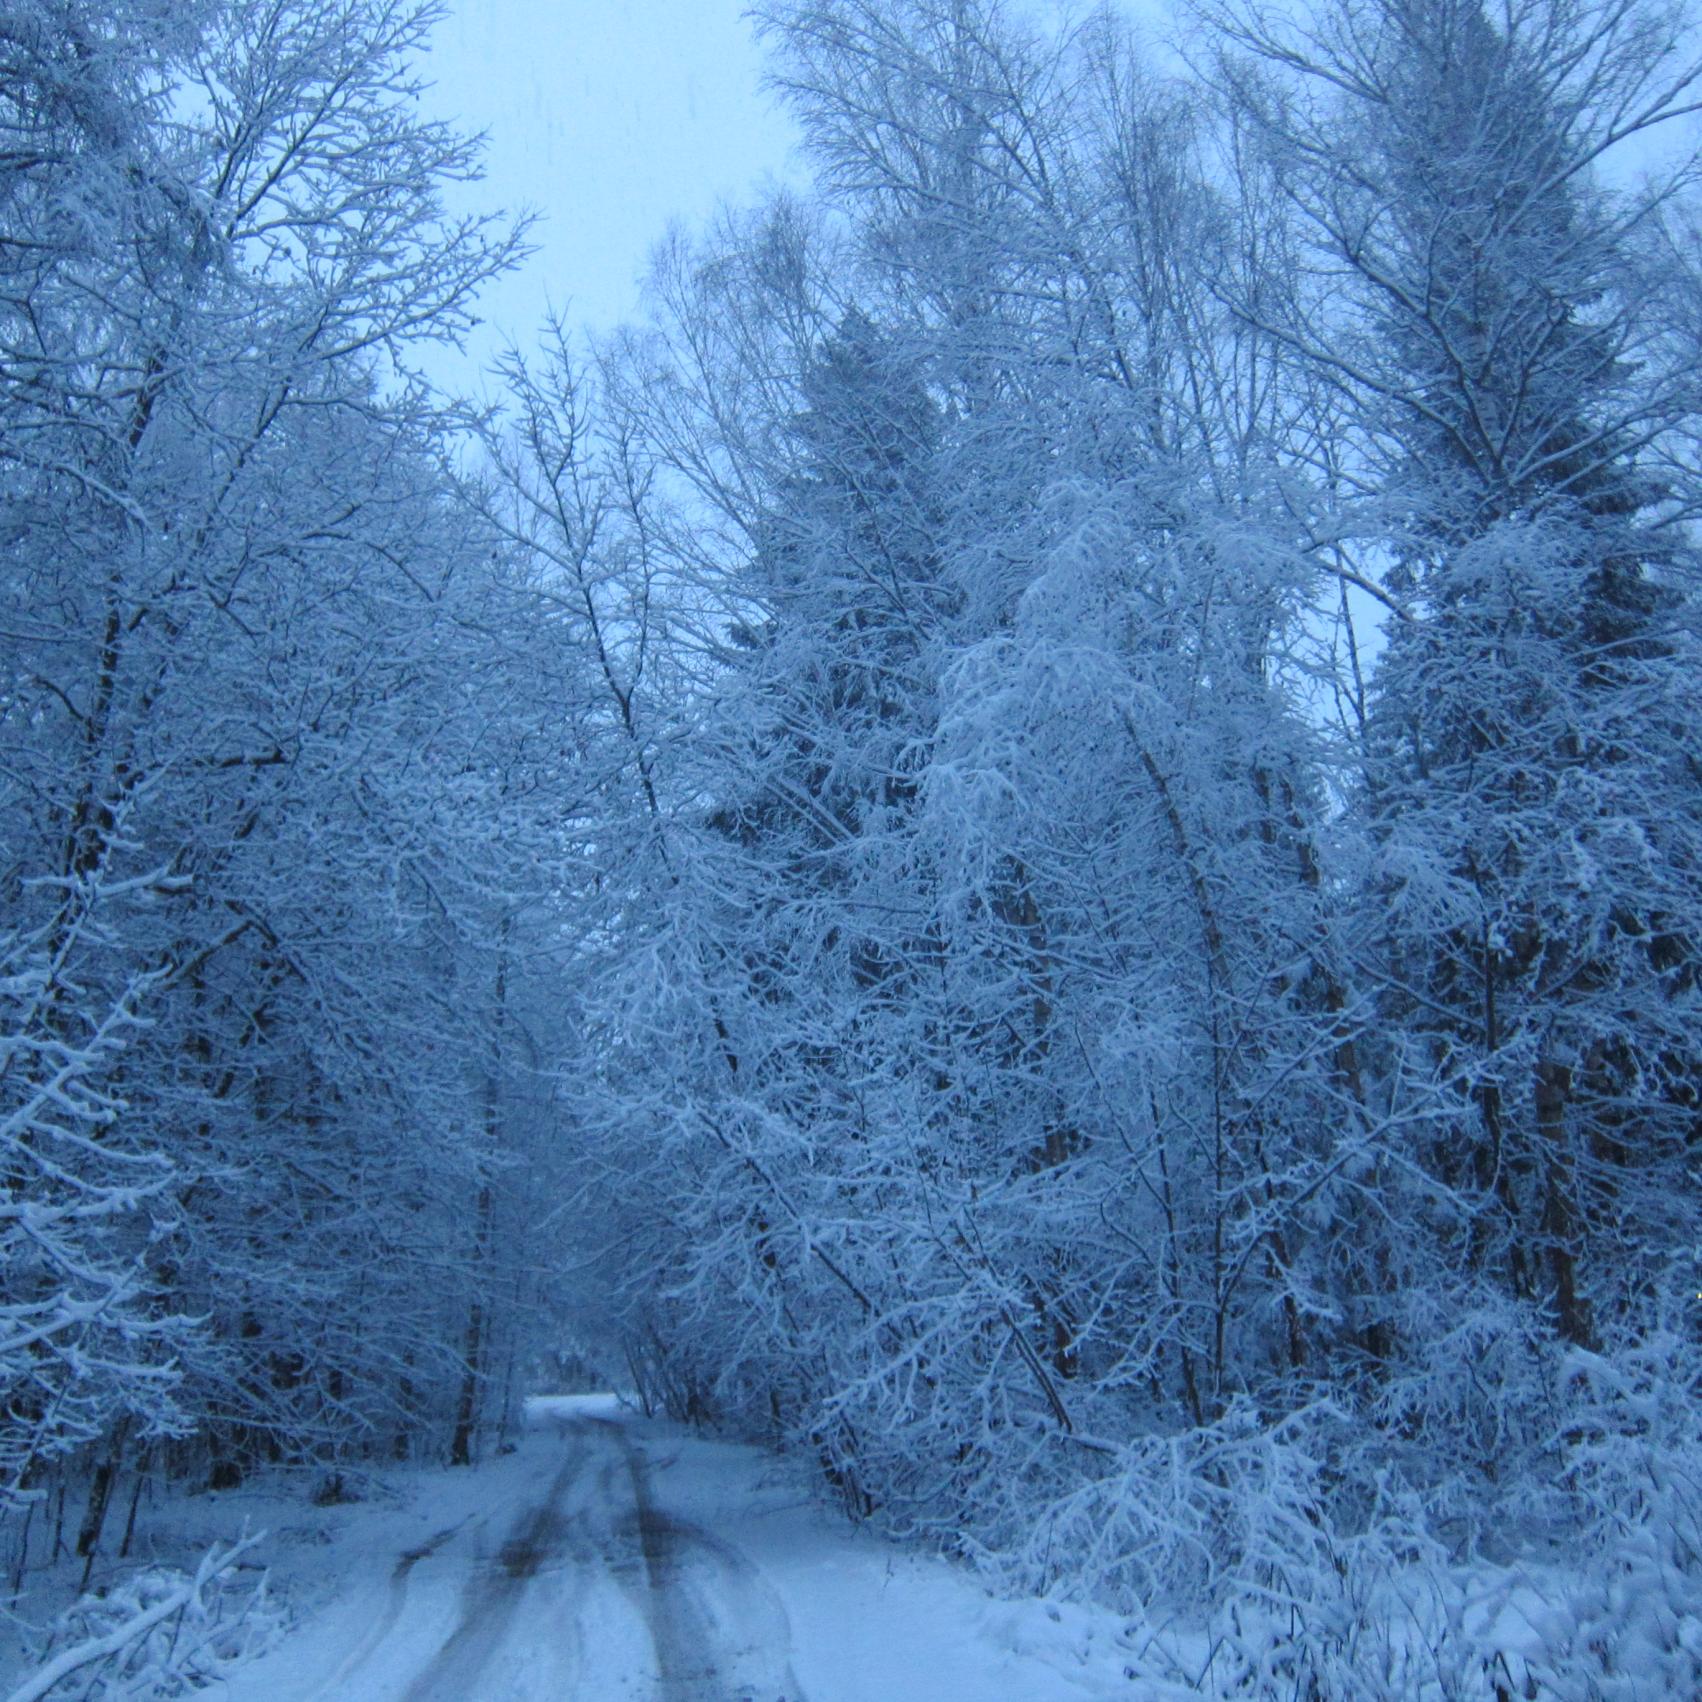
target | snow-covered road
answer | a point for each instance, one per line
(610, 1559)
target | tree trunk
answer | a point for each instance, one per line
(467, 1408)
(100, 1498)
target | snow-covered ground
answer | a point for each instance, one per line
(610, 1557)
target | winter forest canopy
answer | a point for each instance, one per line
(1045, 841)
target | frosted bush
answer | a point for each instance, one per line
(158, 1633)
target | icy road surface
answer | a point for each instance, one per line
(610, 1559)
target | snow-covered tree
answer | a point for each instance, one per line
(253, 799)
(997, 883)
(1048, 1041)
(1492, 299)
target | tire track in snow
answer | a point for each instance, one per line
(716, 1630)
(493, 1593)
(689, 1574)
(386, 1621)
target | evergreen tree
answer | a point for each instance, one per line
(1495, 313)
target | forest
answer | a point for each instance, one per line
(1043, 842)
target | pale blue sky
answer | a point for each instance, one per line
(610, 117)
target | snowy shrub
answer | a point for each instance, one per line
(1315, 1558)
(1632, 1458)
(1186, 1517)
(159, 1633)
(1384, 1611)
